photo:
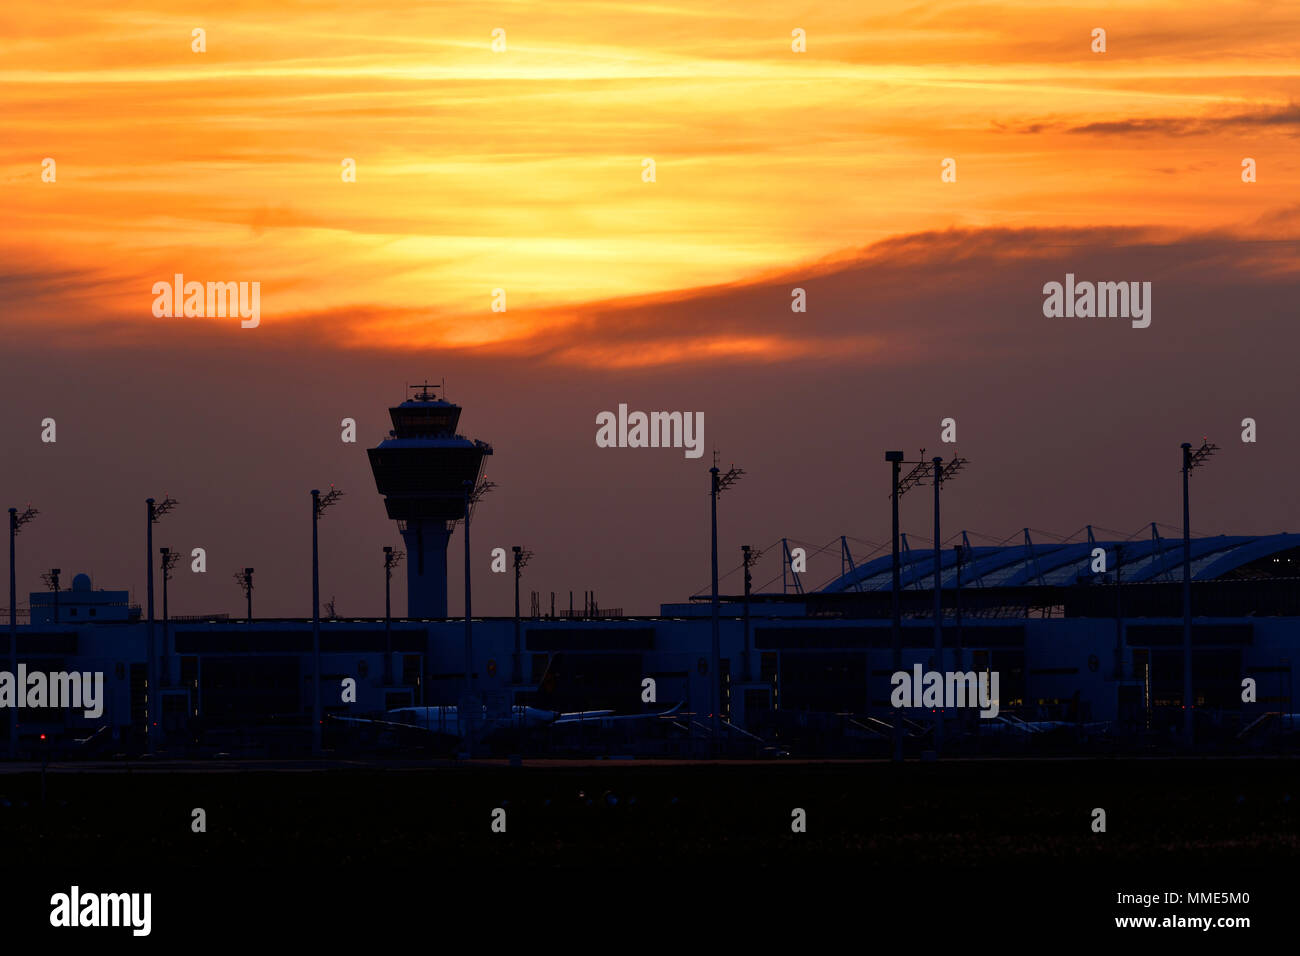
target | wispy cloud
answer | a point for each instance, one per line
(944, 296)
(1285, 118)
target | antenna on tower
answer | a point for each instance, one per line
(424, 395)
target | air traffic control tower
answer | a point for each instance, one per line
(421, 469)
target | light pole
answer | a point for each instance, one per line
(959, 554)
(167, 564)
(938, 473)
(473, 492)
(749, 556)
(938, 600)
(895, 459)
(154, 513)
(1191, 459)
(717, 484)
(391, 560)
(469, 632)
(16, 521)
(521, 559)
(1119, 613)
(152, 665)
(318, 505)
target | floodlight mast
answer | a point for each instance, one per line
(959, 555)
(16, 521)
(319, 503)
(895, 459)
(166, 564)
(937, 472)
(469, 626)
(1191, 460)
(749, 556)
(155, 511)
(718, 484)
(938, 602)
(391, 560)
(522, 556)
(1119, 612)
(473, 491)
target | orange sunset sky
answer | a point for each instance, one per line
(521, 169)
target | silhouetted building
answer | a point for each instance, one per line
(423, 471)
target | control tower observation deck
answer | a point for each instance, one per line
(422, 470)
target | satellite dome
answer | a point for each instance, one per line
(81, 582)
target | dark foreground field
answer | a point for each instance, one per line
(314, 851)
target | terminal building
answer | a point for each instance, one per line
(799, 673)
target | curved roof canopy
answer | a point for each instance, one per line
(1152, 559)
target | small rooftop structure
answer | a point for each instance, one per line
(82, 604)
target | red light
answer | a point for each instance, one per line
(42, 736)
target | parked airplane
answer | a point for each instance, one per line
(1270, 722)
(1009, 723)
(447, 723)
